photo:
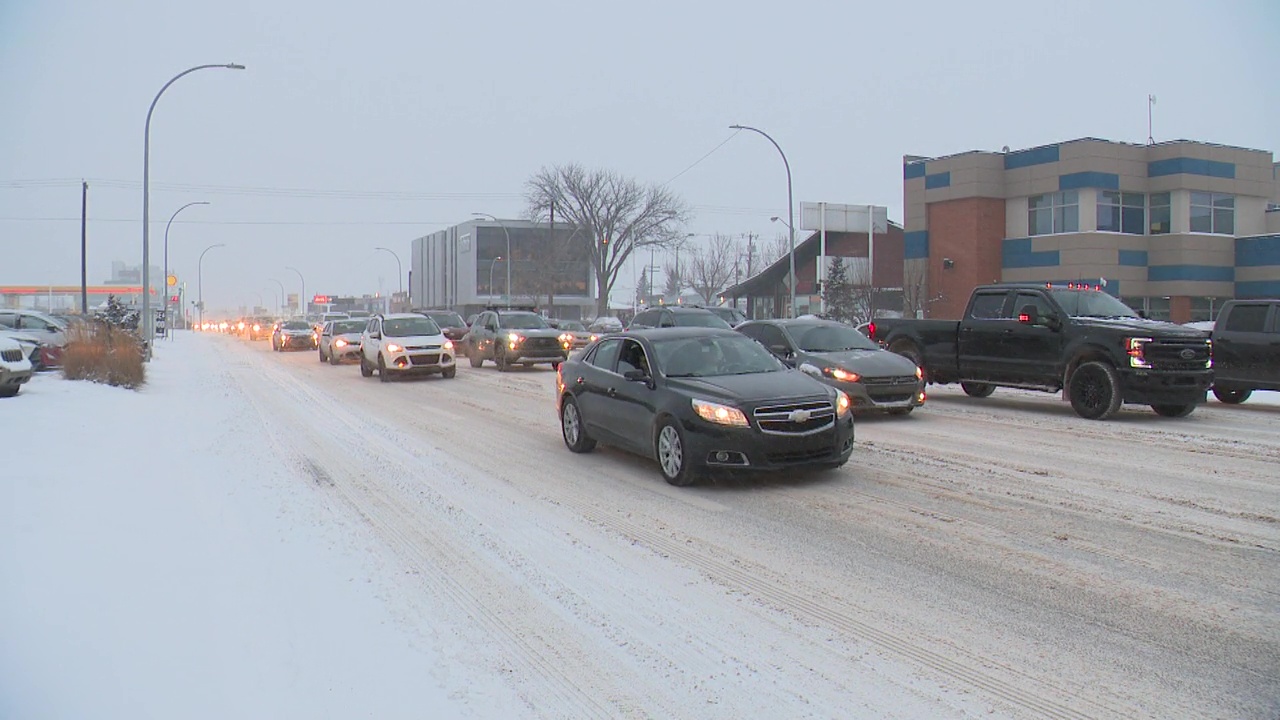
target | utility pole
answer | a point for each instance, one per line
(1151, 103)
(84, 248)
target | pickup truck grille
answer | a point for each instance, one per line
(1177, 354)
(532, 345)
(795, 418)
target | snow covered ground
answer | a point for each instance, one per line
(258, 535)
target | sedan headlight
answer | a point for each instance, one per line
(720, 414)
(339, 343)
(844, 405)
(842, 375)
(393, 348)
(448, 345)
(919, 373)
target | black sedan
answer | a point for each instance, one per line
(842, 357)
(700, 400)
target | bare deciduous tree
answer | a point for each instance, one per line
(710, 267)
(774, 249)
(915, 288)
(617, 216)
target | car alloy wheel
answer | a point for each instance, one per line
(573, 429)
(671, 458)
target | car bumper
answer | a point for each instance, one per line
(421, 363)
(297, 343)
(715, 448)
(1155, 388)
(882, 396)
(342, 354)
(13, 378)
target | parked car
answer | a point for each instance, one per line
(844, 358)
(575, 334)
(405, 343)
(293, 335)
(50, 331)
(454, 327)
(514, 337)
(340, 340)
(1246, 349)
(700, 400)
(32, 348)
(1071, 338)
(15, 367)
(677, 316)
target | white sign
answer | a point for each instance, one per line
(843, 218)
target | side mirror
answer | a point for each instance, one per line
(636, 375)
(1029, 315)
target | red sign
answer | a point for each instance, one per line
(173, 298)
(321, 300)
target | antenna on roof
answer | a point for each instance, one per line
(1004, 149)
(1151, 102)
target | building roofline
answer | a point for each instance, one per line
(919, 158)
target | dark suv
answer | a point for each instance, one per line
(514, 337)
(677, 316)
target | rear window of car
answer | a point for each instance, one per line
(296, 325)
(1247, 318)
(446, 319)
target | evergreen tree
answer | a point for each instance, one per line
(839, 293)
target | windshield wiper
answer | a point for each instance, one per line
(684, 375)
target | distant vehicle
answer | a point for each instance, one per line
(1246, 349)
(359, 314)
(575, 334)
(1073, 338)
(843, 358)
(514, 337)
(258, 328)
(15, 367)
(340, 340)
(319, 322)
(606, 324)
(677, 316)
(293, 335)
(454, 327)
(727, 313)
(699, 400)
(405, 343)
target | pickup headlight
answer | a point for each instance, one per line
(515, 337)
(393, 348)
(844, 405)
(720, 414)
(841, 374)
(1135, 348)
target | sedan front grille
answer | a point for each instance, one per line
(795, 418)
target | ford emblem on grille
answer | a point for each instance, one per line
(799, 416)
(1187, 354)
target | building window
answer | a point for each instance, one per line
(1122, 212)
(1206, 308)
(1053, 213)
(1213, 213)
(1161, 213)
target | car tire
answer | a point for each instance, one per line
(333, 359)
(1173, 411)
(450, 373)
(901, 411)
(382, 370)
(977, 389)
(9, 392)
(321, 353)
(1094, 391)
(573, 429)
(474, 356)
(365, 368)
(555, 365)
(668, 447)
(501, 361)
(1231, 397)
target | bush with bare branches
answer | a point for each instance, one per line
(104, 353)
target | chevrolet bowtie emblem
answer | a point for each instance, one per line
(799, 416)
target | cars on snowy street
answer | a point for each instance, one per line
(699, 400)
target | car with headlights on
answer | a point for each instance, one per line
(293, 335)
(842, 357)
(258, 328)
(514, 337)
(339, 340)
(700, 400)
(405, 344)
(575, 334)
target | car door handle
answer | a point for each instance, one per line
(612, 392)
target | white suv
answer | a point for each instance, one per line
(406, 343)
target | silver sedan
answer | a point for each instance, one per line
(340, 340)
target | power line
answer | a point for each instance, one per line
(704, 157)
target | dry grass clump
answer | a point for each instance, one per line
(103, 353)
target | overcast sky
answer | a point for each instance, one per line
(401, 118)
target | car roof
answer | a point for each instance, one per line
(400, 316)
(678, 333)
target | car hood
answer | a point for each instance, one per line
(414, 340)
(1143, 326)
(870, 363)
(534, 333)
(353, 338)
(755, 387)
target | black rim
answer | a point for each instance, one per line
(1089, 389)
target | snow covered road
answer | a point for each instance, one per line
(996, 557)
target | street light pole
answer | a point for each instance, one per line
(791, 220)
(399, 268)
(302, 299)
(200, 279)
(495, 262)
(504, 232)
(148, 322)
(280, 307)
(166, 259)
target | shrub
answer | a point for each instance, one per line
(102, 352)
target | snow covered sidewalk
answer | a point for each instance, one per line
(157, 562)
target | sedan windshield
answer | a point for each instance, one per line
(343, 327)
(409, 327)
(713, 356)
(295, 325)
(446, 319)
(572, 326)
(523, 321)
(1091, 303)
(829, 337)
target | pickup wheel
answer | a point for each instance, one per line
(1094, 391)
(1174, 410)
(1231, 397)
(321, 351)
(911, 352)
(977, 389)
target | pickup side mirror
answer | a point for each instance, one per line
(1029, 315)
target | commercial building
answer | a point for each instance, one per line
(1172, 228)
(466, 267)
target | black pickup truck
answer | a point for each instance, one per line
(1074, 338)
(1246, 349)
